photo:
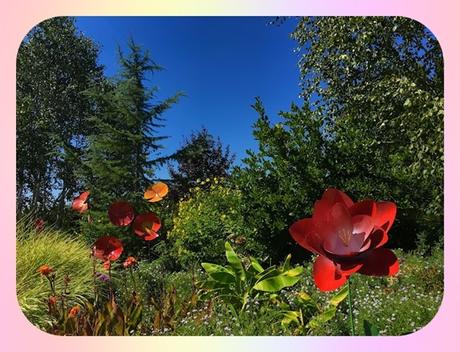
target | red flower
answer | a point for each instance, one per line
(39, 225)
(146, 226)
(107, 248)
(79, 203)
(129, 262)
(348, 237)
(121, 213)
(45, 270)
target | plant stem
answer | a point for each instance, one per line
(350, 309)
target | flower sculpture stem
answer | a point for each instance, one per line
(350, 309)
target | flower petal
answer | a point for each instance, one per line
(376, 239)
(335, 196)
(362, 224)
(380, 262)
(385, 215)
(349, 268)
(305, 234)
(326, 274)
(364, 207)
(151, 236)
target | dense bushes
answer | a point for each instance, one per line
(204, 221)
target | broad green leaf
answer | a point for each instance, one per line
(271, 271)
(255, 265)
(234, 261)
(339, 296)
(276, 283)
(370, 329)
(287, 263)
(294, 272)
(219, 272)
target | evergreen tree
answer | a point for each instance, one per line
(201, 157)
(124, 146)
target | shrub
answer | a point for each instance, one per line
(204, 221)
(65, 254)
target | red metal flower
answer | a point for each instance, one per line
(146, 226)
(121, 213)
(348, 237)
(79, 203)
(129, 262)
(107, 248)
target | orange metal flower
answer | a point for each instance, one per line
(129, 262)
(73, 312)
(79, 203)
(156, 192)
(45, 270)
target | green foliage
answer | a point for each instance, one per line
(55, 65)
(235, 284)
(378, 84)
(201, 157)
(308, 317)
(204, 221)
(65, 254)
(281, 181)
(370, 329)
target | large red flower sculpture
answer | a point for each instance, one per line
(348, 237)
(146, 226)
(107, 248)
(121, 213)
(79, 203)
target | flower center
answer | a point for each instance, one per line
(345, 236)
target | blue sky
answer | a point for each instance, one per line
(220, 63)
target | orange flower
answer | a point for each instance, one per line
(129, 262)
(45, 270)
(156, 192)
(80, 204)
(73, 312)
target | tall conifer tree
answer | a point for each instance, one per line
(125, 145)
